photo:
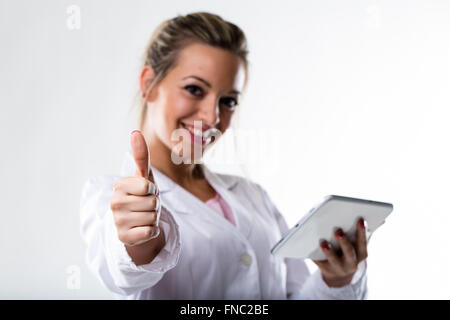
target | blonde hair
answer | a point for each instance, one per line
(173, 35)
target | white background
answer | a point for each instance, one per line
(354, 96)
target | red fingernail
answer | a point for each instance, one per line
(324, 245)
(340, 234)
(361, 223)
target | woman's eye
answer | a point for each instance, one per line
(231, 103)
(194, 90)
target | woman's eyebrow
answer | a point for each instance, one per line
(208, 84)
(199, 79)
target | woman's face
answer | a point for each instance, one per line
(203, 86)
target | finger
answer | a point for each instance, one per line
(138, 235)
(348, 250)
(137, 186)
(140, 153)
(128, 220)
(331, 255)
(141, 203)
(141, 219)
(361, 241)
(321, 263)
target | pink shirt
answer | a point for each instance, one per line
(218, 204)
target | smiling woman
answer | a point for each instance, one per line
(171, 230)
(203, 86)
(190, 69)
(172, 36)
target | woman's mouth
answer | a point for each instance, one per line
(195, 133)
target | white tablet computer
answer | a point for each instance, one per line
(320, 223)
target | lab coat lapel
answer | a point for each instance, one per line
(225, 185)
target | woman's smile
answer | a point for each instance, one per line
(195, 133)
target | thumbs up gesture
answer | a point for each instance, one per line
(136, 207)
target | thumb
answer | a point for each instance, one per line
(140, 153)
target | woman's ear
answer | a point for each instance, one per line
(146, 78)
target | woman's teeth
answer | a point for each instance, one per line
(197, 132)
(194, 131)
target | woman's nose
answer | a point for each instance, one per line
(210, 114)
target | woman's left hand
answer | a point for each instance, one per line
(338, 270)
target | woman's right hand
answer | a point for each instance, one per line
(135, 205)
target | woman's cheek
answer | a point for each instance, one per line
(177, 109)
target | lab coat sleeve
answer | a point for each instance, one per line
(302, 285)
(106, 255)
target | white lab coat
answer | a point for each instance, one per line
(205, 256)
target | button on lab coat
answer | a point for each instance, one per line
(205, 256)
